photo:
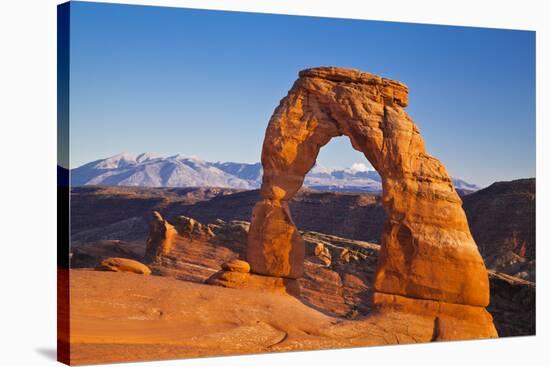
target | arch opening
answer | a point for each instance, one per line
(340, 168)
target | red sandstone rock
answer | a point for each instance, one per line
(451, 321)
(323, 254)
(161, 234)
(427, 249)
(118, 264)
(261, 283)
(236, 265)
(282, 249)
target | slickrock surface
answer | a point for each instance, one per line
(259, 283)
(118, 264)
(125, 317)
(427, 249)
(119, 317)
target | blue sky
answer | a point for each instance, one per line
(204, 83)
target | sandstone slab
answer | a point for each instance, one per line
(118, 264)
(259, 283)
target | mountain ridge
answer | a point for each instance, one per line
(152, 170)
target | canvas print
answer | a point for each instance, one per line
(235, 183)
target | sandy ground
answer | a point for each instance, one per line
(118, 317)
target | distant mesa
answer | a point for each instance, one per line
(152, 170)
(502, 219)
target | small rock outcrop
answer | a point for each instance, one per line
(237, 265)
(261, 283)
(427, 253)
(119, 264)
(193, 251)
(192, 229)
(323, 254)
(161, 234)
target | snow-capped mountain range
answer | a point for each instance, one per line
(151, 170)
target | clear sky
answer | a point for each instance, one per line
(204, 83)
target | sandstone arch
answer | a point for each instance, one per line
(427, 250)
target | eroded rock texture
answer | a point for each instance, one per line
(160, 240)
(427, 250)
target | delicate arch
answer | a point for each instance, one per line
(427, 249)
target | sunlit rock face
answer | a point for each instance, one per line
(160, 240)
(427, 249)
